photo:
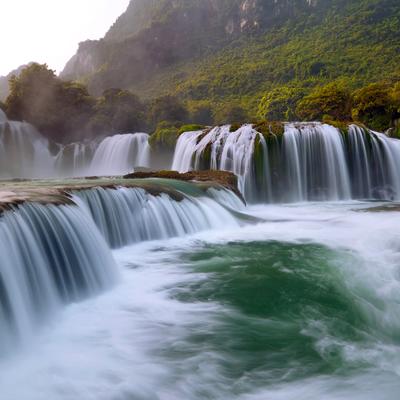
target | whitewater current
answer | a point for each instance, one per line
(182, 292)
(301, 304)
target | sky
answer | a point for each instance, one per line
(48, 31)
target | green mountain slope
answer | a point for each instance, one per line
(234, 51)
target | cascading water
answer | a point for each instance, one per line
(114, 155)
(129, 215)
(308, 162)
(50, 255)
(3, 116)
(54, 254)
(21, 141)
(221, 149)
(119, 154)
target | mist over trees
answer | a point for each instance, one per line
(65, 111)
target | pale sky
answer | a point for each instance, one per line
(48, 31)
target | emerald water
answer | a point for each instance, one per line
(301, 306)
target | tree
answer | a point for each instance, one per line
(279, 104)
(118, 111)
(375, 105)
(332, 101)
(58, 109)
(201, 113)
(167, 108)
(231, 113)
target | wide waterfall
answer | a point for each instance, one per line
(308, 162)
(39, 158)
(50, 255)
(129, 215)
(56, 254)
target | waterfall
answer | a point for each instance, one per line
(308, 162)
(119, 154)
(129, 215)
(3, 116)
(50, 255)
(221, 149)
(114, 155)
(24, 153)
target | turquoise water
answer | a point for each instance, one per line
(302, 306)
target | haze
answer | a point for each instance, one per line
(48, 31)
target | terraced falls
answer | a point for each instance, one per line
(260, 264)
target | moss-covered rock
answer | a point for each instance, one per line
(223, 178)
(167, 133)
(270, 128)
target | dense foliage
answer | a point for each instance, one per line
(235, 53)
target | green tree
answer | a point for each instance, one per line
(167, 108)
(201, 113)
(58, 109)
(118, 111)
(375, 105)
(332, 101)
(279, 104)
(231, 114)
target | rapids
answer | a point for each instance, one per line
(303, 305)
(175, 291)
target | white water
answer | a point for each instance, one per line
(119, 154)
(229, 151)
(50, 255)
(127, 216)
(310, 162)
(114, 155)
(127, 343)
(3, 117)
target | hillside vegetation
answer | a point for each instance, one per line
(234, 52)
(167, 66)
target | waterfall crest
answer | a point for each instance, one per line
(50, 255)
(130, 215)
(308, 162)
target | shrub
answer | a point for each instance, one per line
(374, 105)
(330, 101)
(279, 104)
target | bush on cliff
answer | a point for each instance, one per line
(375, 105)
(329, 101)
(279, 104)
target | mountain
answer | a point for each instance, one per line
(234, 51)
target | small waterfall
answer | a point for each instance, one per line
(309, 162)
(119, 154)
(74, 159)
(25, 153)
(129, 215)
(221, 149)
(50, 255)
(315, 166)
(3, 116)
